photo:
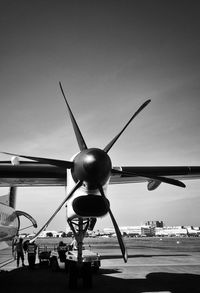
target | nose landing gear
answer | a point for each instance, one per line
(78, 266)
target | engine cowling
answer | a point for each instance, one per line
(153, 184)
(90, 206)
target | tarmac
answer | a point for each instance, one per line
(147, 270)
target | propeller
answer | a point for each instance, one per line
(79, 137)
(78, 184)
(93, 167)
(111, 143)
(159, 178)
(117, 231)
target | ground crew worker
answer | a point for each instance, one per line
(20, 252)
(31, 251)
(25, 245)
(62, 248)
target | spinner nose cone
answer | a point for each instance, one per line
(97, 160)
(93, 165)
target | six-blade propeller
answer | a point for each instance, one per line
(93, 166)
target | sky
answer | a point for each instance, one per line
(110, 56)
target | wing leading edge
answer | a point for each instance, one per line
(175, 172)
(37, 174)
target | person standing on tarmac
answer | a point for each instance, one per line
(20, 252)
(31, 251)
(25, 246)
(62, 248)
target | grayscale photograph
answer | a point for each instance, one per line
(96, 96)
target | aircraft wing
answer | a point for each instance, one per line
(29, 173)
(175, 172)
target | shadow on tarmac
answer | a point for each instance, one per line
(43, 280)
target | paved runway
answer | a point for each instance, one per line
(148, 270)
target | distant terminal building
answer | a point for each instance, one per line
(132, 231)
(147, 230)
(158, 224)
(157, 228)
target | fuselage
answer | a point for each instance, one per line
(9, 222)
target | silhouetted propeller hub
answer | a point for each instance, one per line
(93, 166)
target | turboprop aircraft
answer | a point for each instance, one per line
(88, 175)
(9, 217)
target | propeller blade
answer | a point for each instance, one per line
(159, 178)
(79, 137)
(119, 237)
(111, 143)
(78, 184)
(54, 162)
(117, 231)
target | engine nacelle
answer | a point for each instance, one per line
(153, 184)
(90, 206)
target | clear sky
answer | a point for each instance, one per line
(110, 57)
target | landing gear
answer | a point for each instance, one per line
(87, 276)
(78, 269)
(77, 272)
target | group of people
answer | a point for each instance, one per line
(27, 247)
